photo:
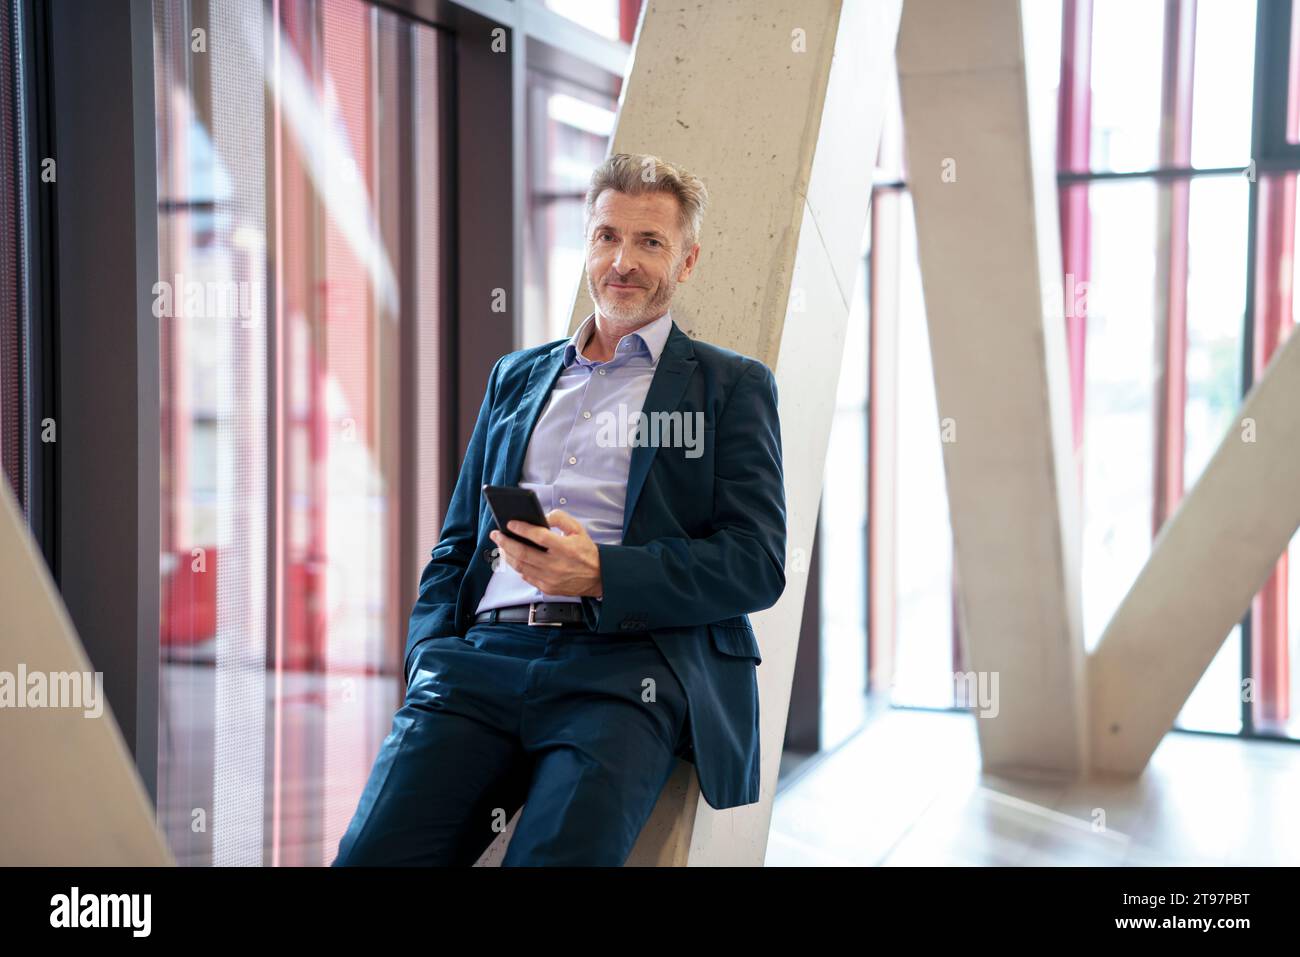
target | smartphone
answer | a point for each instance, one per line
(510, 503)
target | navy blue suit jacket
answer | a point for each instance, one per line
(703, 538)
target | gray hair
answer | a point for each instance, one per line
(637, 174)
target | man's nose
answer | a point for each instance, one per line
(625, 259)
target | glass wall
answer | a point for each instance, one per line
(842, 577)
(923, 654)
(1273, 651)
(569, 129)
(1119, 394)
(571, 107)
(299, 230)
(1153, 137)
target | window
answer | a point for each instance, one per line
(599, 16)
(1154, 135)
(301, 328)
(572, 102)
(569, 129)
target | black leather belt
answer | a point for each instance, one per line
(554, 613)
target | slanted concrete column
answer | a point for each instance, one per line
(1208, 562)
(987, 237)
(70, 792)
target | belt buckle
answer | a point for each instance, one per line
(532, 613)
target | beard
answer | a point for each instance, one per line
(631, 315)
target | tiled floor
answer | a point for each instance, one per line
(908, 790)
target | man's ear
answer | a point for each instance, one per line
(688, 263)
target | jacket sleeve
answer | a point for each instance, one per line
(434, 614)
(740, 567)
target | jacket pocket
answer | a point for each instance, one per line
(735, 638)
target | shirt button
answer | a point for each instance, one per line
(586, 415)
(564, 501)
(573, 460)
(602, 371)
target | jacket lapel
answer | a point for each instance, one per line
(676, 363)
(541, 378)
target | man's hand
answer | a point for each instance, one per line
(569, 566)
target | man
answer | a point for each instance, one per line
(569, 680)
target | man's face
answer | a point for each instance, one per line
(635, 257)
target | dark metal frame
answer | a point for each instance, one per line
(103, 345)
(409, 332)
(40, 213)
(1270, 153)
(1272, 71)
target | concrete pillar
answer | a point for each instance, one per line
(1207, 563)
(777, 106)
(987, 237)
(70, 792)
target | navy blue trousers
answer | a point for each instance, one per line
(581, 729)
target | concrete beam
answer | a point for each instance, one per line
(987, 237)
(1207, 563)
(70, 792)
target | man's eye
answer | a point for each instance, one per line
(655, 241)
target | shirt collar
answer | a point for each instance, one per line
(651, 337)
